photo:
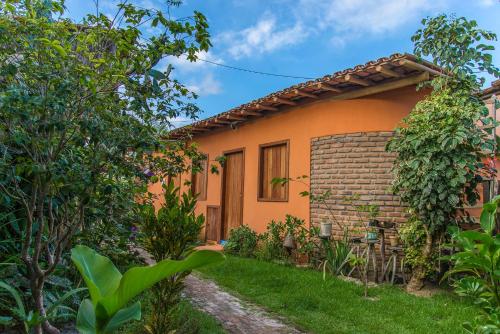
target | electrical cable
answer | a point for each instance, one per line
(255, 72)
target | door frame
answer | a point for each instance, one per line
(223, 188)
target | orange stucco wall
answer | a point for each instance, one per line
(381, 112)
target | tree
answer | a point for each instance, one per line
(82, 108)
(441, 146)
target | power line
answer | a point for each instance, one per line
(255, 72)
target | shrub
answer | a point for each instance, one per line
(271, 242)
(413, 237)
(440, 146)
(478, 266)
(169, 234)
(111, 292)
(242, 241)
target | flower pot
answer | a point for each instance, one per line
(325, 230)
(394, 240)
(371, 236)
(289, 242)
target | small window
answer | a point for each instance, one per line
(273, 163)
(199, 180)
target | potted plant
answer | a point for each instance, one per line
(394, 240)
(325, 229)
(292, 225)
(371, 233)
(372, 212)
(289, 241)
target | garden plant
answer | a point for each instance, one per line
(441, 147)
(476, 269)
(171, 232)
(110, 291)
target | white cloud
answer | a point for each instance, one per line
(487, 3)
(180, 121)
(263, 37)
(357, 17)
(338, 20)
(206, 86)
(183, 64)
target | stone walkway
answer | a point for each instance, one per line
(233, 314)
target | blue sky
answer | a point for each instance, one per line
(307, 38)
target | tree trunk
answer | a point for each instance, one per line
(419, 272)
(37, 284)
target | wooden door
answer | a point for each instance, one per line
(212, 227)
(232, 192)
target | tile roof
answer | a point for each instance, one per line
(347, 83)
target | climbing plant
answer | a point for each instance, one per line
(441, 146)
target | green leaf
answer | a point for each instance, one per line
(132, 312)
(17, 298)
(111, 292)
(86, 320)
(138, 279)
(487, 218)
(59, 49)
(61, 300)
(156, 74)
(6, 321)
(99, 273)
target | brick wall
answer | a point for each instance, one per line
(349, 164)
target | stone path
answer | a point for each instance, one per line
(234, 315)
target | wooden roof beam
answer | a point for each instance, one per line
(217, 125)
(356, 80)
(420, 67)
(284, 101)
(305, 94)
(235, 118)
(264, 107)
(325, 86)
(383, 87)
(196, 129)
(387, 71)
(221, 121)
(250, 113)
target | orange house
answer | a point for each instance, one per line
(332, 129)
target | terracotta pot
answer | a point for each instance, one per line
(289, 242)
(325, 230)
(394, 240)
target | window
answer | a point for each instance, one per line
(199, 180)
(489, 190)
(273, 163)
(176, 179)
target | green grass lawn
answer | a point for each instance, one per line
(337, 306)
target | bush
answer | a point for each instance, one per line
(271, 242)
(413, 236)
(170, 233)
(242, 241)
(476, 267)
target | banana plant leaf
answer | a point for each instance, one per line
(110, 291)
